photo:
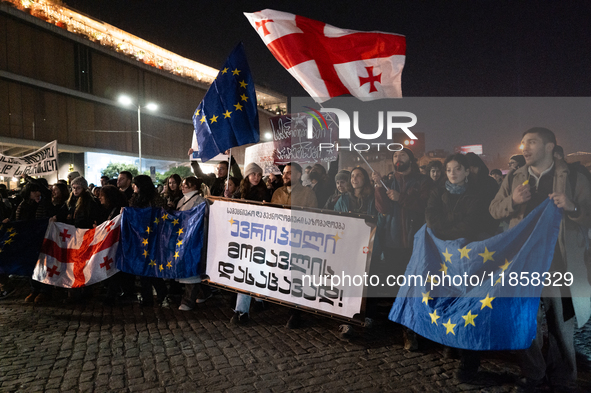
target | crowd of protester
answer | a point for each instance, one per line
(457, 198)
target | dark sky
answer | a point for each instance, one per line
(472, 48)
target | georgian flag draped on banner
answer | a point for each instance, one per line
(328, 61)
(492, 288)
(73, 258)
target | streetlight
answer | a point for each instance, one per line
(126, 101)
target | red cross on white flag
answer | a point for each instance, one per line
(328, 61)
(80, 258)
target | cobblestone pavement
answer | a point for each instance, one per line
(91, 347)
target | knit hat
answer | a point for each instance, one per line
(411, 155)
(343, 175)
(252, 168)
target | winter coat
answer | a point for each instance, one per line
(572, 238)
(402, 219)
(454, 216)
(299, 196)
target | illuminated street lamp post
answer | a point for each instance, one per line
(126, 101)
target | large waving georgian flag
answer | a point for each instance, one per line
(328, 61)
(73, 258)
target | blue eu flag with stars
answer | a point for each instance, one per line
(228, 117)
(157, 243)
(481, 295)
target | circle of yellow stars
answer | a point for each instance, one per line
(237, 107)
(145, 241)
(469, 318)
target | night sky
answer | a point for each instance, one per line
(454, 48)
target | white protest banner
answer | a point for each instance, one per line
(39, 163)
(262, 155)
(273, 252)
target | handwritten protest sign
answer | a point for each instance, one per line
(270, 251)
(262, 154)
(290, 138)
(41, 162)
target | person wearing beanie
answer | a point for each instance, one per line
(252, 168)
(343, 186)
(252, 187)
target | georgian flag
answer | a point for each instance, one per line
(328, 61)
(73, 258)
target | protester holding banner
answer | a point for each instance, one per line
(173, 191)
(83, 211)
(543, 177)
(252, 188)
(121, 284)
(145, 195)
(343, 186)
(361, 199)
(195, 292)
(322, 184)
(293, 193)
(232, 188)
(455, 211)
(28, 210)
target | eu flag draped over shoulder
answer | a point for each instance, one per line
(20, 243)
(228, 117)
(157, 243)
(480, 295)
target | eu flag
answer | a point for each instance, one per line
(228, 117)
(480, 295)
(157, 243)
(20, 243)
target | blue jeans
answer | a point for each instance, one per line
(243, 303)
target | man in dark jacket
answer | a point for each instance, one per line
(124, 183)
(213, 181)
(403, 206)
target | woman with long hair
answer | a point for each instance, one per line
(455, 211)
(59, 197)
(361, 199)
(252, 187)
(145, 195)
(174, 192)
(232, 189)
(82, 210)
(112, 200)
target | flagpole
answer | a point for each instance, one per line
(350, 143)
(229, 160)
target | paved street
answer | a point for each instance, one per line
(100, 348)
